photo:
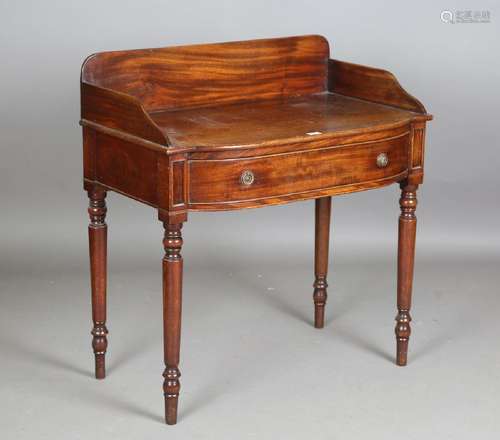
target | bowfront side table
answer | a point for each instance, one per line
(227, 126)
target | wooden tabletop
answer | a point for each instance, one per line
(268, 122)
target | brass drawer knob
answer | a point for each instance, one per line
(247, 178)
(382, 160)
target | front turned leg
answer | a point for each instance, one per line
(97, 250)
(172, 306)
(321, 244)
(406, 256)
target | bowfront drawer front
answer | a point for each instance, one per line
(233, 181)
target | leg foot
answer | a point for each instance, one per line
(98, 254)
(322, 237)
(403, 331)
(171, 387)
(319, 297)
(99, 344)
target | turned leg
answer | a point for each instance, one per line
(406, 255)
(172, 305)
(321, 244)
(97, 250)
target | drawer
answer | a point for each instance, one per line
(214, 181)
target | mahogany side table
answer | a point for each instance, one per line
(227, 126)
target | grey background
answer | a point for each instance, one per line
(252, 365)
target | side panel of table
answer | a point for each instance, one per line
(137, 170)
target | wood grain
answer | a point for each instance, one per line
(306, 119)
(128, 167)
(218, 181)
(372, 84)
(208, 74)
(120, 111)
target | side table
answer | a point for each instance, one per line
(219, 127)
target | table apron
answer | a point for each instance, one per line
(298, 174)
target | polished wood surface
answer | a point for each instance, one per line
(225, 126)
(216, 182)
(210, 74)
(314, 117)
(370, 84)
